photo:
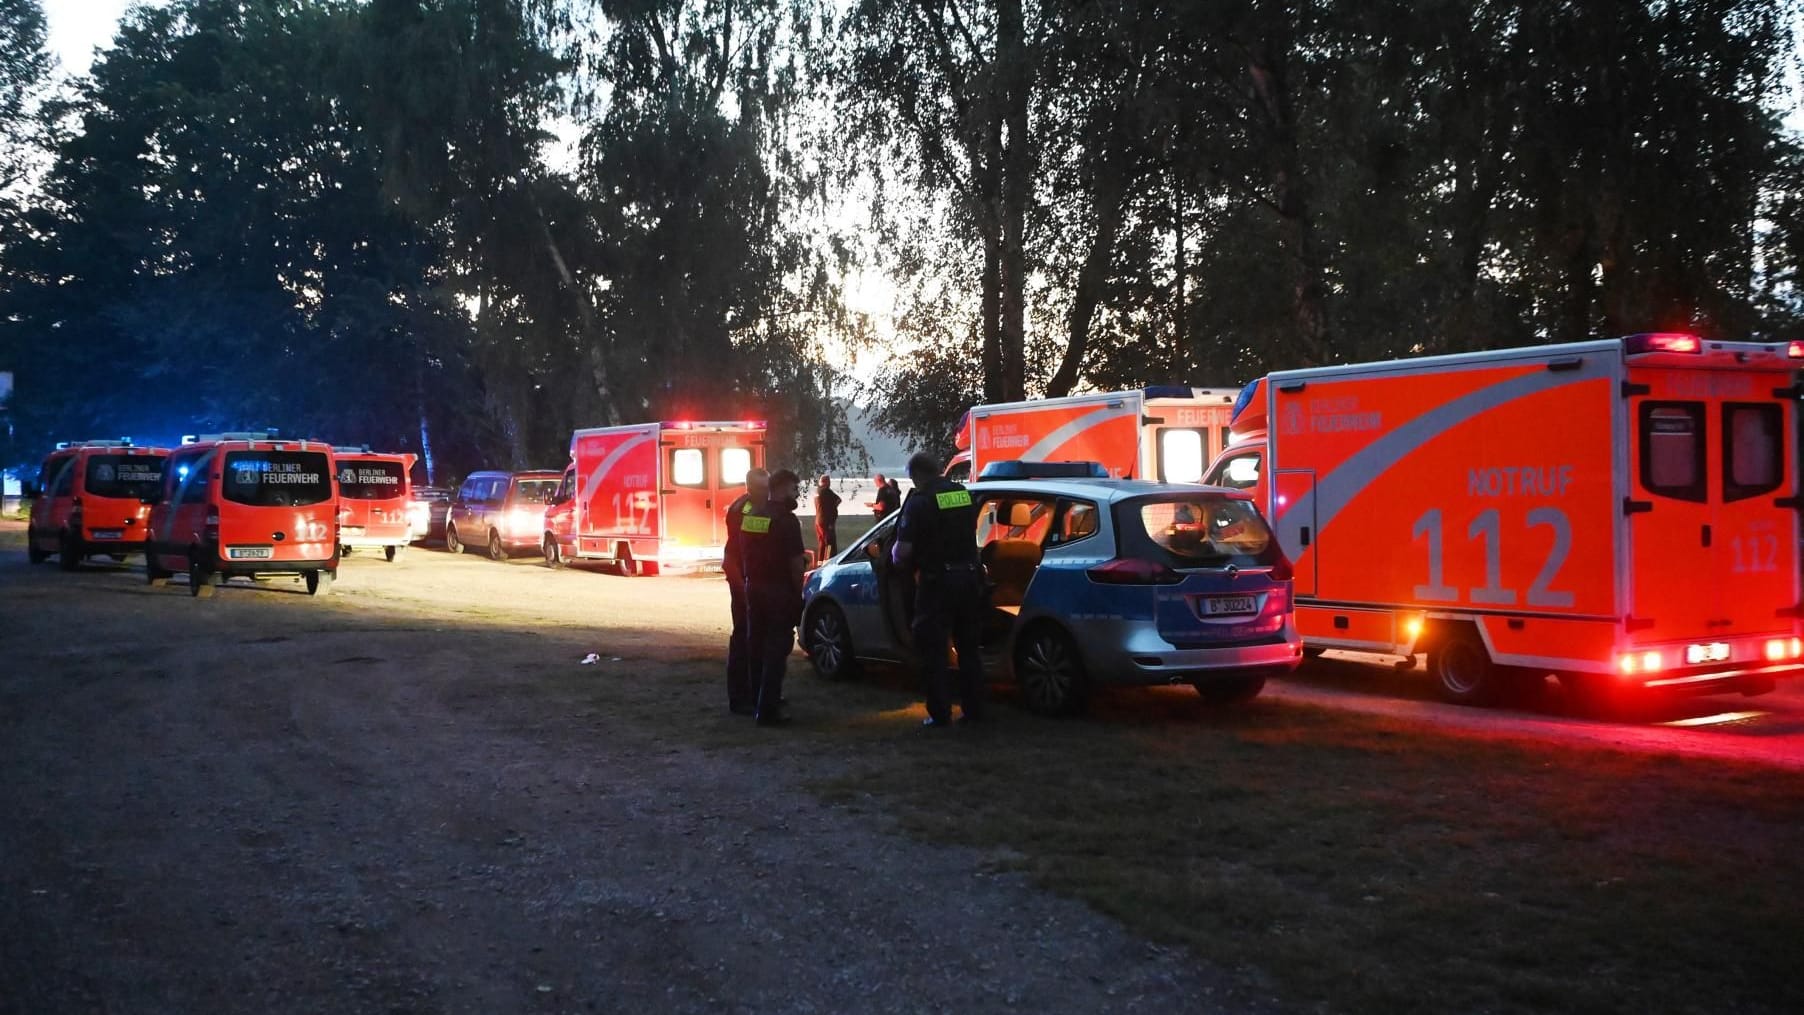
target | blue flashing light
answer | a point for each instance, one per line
(1043, 470)
(1244, 399)
(181, 471)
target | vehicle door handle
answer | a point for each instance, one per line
(1304, 531)
(1706, 535)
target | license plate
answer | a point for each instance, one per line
(250, 552)
(108, 534)
(1227, 606)
(1714, 652)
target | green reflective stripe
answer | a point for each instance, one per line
(756, 525)
(950, 499)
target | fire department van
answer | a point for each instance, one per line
(650, 496)
(373, 494)
(1167, 433)
(92, 497)
(245, 505)
(1621, 513)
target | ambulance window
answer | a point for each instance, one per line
(688, 467)
(65, 478)
(1238, 473)
(129, 476)
(276, 478)
(192, 480)
(1753, 450)
(1672, 450)
(734, 464)
(1182, 455)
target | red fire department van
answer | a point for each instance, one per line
(650, 496)
(1621, 513)
(92, 497)
(374, 491)
(245, 505)
(1166, 432)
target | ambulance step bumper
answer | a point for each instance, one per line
(1757, 679)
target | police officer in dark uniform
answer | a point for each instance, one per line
(937, 537)
(775, 561)
(741, 694)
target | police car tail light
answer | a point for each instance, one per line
(1283, 570)
(1134, 571)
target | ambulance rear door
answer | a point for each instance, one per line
(737, 452)
(616, 486)
(1713, 477)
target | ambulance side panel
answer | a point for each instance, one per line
(1482, 489)
(617, 481)
(1100, 428)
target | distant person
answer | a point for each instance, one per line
(934, 538)
(775, 561)
(826, 520)
(741, 694)
(889, 498)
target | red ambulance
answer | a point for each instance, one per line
(1168, 433)
(374, 491)
(1621, 513)
(249, 505)
(92, 497)
(650, 496)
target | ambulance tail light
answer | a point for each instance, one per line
(1133, 571)
(1631, 663)
(1780, 650)
(1665, 342)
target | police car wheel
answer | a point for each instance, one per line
(1050, 671)
(68, 555)
(1463, 669)
(452, 543)
(496, 550)
(1229, 690)
(554, 558)
(829, 642)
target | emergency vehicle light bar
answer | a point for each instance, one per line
(123, 442)
(233, 435)
(1018, 469)
(1663, 342)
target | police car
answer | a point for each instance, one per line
(1094, 581)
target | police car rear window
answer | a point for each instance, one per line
(1190, 532)
(125, 476)
(276, 478)
(370, 480)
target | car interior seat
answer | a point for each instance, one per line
(1011, 563)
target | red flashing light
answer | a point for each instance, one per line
(1134, 571)
(1795, 350)
(1666, 342)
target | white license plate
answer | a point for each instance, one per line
(1227, 606)
(109, 534)
(250, 552)
(1714, 652)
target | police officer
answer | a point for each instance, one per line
(936, 537)
(775, 561)
(741, 694)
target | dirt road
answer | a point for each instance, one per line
(408, 797)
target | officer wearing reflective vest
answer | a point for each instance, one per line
(741, 695)
(775, 561)
(937, 537)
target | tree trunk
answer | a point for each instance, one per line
(1290, 196)
(1180, 270)
(1014, 73)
